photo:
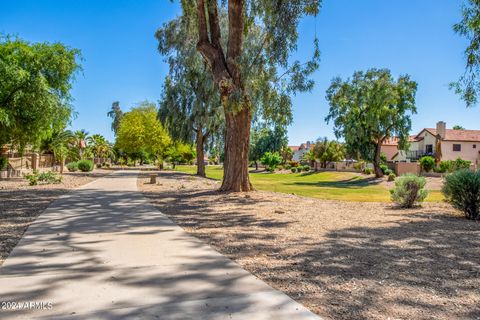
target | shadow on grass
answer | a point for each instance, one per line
(353, 182)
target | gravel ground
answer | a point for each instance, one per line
(20, 204)
(343, 260)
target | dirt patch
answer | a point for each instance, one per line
(343, 260)
(21, 204)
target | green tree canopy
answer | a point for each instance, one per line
(190, 107)
(179, 152)
(326, 151)
(468, 86)
(266, 139)
(271, 160)
(458, 127)
(370, 108)
(36, 79)
(141, 131)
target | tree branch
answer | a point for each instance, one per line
(215, 34)
(204, 46)
(235, 37)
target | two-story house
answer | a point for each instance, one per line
(439, 142)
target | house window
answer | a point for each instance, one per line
(429, 148)
(457, 147)
(474, 146)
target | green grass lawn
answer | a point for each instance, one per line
(333, 185)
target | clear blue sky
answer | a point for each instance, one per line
(121, 61)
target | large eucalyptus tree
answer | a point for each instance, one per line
(190, 107)
(249, 62)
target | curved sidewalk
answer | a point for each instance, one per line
(103, 251)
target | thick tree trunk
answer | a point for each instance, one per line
(200, 154)
(227, 76)
(62, 164)
(237, 138)
(376, 161)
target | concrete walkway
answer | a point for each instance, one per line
(103, 252)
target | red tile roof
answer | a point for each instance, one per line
(294, 148)
(458, 135)
(393, 141)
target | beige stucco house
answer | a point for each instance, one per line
(446, 144)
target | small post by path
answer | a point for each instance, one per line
(153, 178)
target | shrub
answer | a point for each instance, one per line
(383, 157)
(294, 170)
(367, 170)
(49, 177)
(384, 168)
(359, 165)
(46, 177)
(409, 189)
(462, 190)
(388, 172)
(271, 160)
(3, 163)
(85, 165)
(460, 164)
(427, 163)
(288, 167)
(293, 163)
(72, 166)
(32, 178)
(453, 165)
(98, 165)
(391, 176)
(445, 166)
(306, 168)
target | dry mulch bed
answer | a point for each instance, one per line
(343, 260)
(20, 204)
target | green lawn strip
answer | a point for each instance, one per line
(331, 185)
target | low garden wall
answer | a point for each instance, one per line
(18, 164)
(347, 166)
(406, 167)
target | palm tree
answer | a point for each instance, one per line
(101, 148)
(328, 151)
(80, 141)
(310, 157)
(286, 153)
(116, 114)
(59, 146)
